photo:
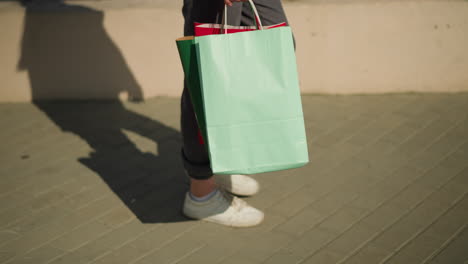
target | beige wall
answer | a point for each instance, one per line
(382, 46)
(359, 47)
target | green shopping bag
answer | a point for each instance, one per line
(188, 58)
(251, 101)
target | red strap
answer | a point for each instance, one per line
(200, 138)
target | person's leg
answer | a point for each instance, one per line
(194, 155)
(204, 200)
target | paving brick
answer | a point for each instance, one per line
(7, 235)
(214, 253)
(37, 220)
(416, 104)
(6, 255)
(174, 251)
(382, 166)
(418, 249)
(437, 151)
(148, 243)
(342, 132)
(84, 197)
(373, 197)
(55, 228)
(69, 258)
(451, 221)
(436, 177)
(411, 196)
(228, 244)
(401, 259)
(368, 254)
(443, 199)
(261, 247)
(32, 159)
(339, 152)
(356, 186)
(378, 148)
(310, 242)
(239, 260)
(18, 247)
(321, 164)
(299, 223)
(397, 233)
(327, 140)
(457, 184)
(424, 137)
(332, 202)
(352, 239)
(13, 199)
(350, 167)
(376, 129)
(11, 215)
(49, 198)
(313, 130)
(343, 219)
(342, 184)
(42, 178)
(110, 240)
(283, 255)
(386, 188)
(117, 217)
(292, 204)
(400, 133)
(321, 184)
(323, 257)
(428, 211)
(15, 214)
(79, 236)
(41, 255)
(455, 252)
(125, 255)
(222, 242)
(383, 216)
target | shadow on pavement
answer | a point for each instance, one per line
(70, 55)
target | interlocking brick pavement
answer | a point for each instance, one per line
(102, 182)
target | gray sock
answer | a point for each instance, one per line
(203, 198)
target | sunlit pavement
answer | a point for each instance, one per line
(102, 182)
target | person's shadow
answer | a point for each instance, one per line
(68, 54)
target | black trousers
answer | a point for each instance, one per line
(195, 156)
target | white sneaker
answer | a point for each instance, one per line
(223, 208)
(237, 184)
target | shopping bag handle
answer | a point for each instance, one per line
(254, 9)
